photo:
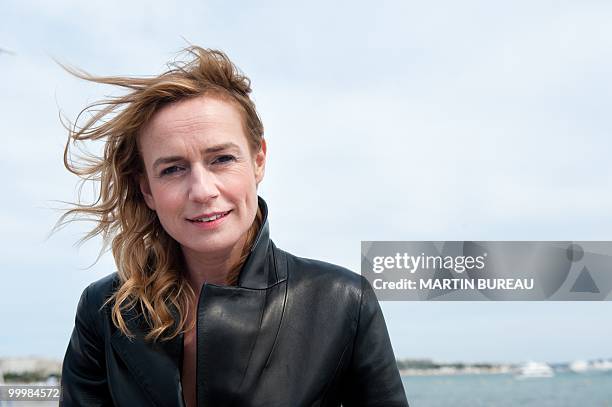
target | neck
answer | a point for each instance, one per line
(220, 268)
(212, 268)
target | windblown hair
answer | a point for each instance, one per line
(149, 261)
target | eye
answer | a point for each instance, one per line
(224, 159)
(171, 170)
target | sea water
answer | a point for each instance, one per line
(592, 389)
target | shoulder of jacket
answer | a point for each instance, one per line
(332, 275)
(100, 290)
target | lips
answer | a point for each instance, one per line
(209, 217)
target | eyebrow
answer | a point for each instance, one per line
(209, 150)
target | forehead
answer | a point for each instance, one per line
(203, 121)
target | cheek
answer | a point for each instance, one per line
(240, 183)
(167, 197)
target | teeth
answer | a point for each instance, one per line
(210, 219)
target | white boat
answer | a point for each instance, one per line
(579, 366)
(602, 365)
(532, 370)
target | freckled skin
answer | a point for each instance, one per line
(198, 182)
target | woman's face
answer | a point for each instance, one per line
(201, 176)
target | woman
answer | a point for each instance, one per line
(204, 309)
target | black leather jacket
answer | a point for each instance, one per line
(293, 332)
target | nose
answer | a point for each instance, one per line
(202, 185)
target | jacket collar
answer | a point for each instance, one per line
(256, 272)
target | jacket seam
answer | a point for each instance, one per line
(358, 316)
(250, 356)
(282, 316)
(348, 342)
(336, 372)
(356, 333)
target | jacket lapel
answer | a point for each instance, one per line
(237, 330)
(154, 365)
(228, 322)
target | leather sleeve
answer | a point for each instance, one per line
(83, 380)
(373, 378)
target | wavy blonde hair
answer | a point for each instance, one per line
(149, 261)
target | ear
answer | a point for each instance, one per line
(145, 189)
(260, 162)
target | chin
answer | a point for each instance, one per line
(213, 244)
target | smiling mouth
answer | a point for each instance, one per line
(212, 218)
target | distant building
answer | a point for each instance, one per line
(21, 365)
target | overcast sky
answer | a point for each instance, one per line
(402, 120)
